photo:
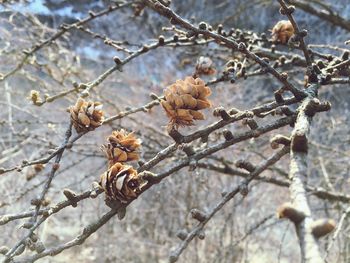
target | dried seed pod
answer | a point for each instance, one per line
(184, 99)
(86, 115)
(205, 66)
(122, 147)
(282, 32)
(121, 183)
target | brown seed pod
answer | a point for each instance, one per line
(121, 183)
(86, 115)
(282, 32)
(184, 99)
(122, 147)
(205, 66)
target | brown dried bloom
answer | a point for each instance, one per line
(86, 115)
(184, 99)
(205, 66)
(282, 32)
(121, 182)
(122, 147)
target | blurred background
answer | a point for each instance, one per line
(247, 229)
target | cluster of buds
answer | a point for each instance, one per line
(184, 99)
(86, 115)
(121, 147)
(121, 183)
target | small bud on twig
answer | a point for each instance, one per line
(322, 227)
(220, 111)
(198, 215)
(182, 234)
(279, 139)
(227, 135)
(201, 234)
(246, 165)
(287, 210)
(71, 196)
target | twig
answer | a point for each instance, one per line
(231, 194)
(337, 232)
(58, 34)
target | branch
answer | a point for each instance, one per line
(63, 29)
(231, 194)
(229, 42)
(310, 252)
(288, 10)
(334, 19)
(87, 231)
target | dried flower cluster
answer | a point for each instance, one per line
(86, 115)
(121, 183)
(282, 32)
(205, 66)
(121, 147)
(184, 99)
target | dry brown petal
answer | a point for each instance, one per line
(183, 99)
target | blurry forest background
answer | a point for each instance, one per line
(246, 229)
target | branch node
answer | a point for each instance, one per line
(227, 135)
(220, 111)
(39, 247)
(121, 212)
(161, 40)
(322, 227)
(243, 189)
(234, 111)
(149, 177)
(117, 60)
(251, 123)
(198, 215)
(287, 210)
(177, 137)
(315, 106)
(278, 97)
(182, 234)
(279, 139)
(201, 234)
(96, 187)
(154, 96)
(246, 165)
(4, 250)
(242, 46)
(299, 142)
(35, 201)
(173, 257)
(71, 196)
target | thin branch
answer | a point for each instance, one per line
(231, 194)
